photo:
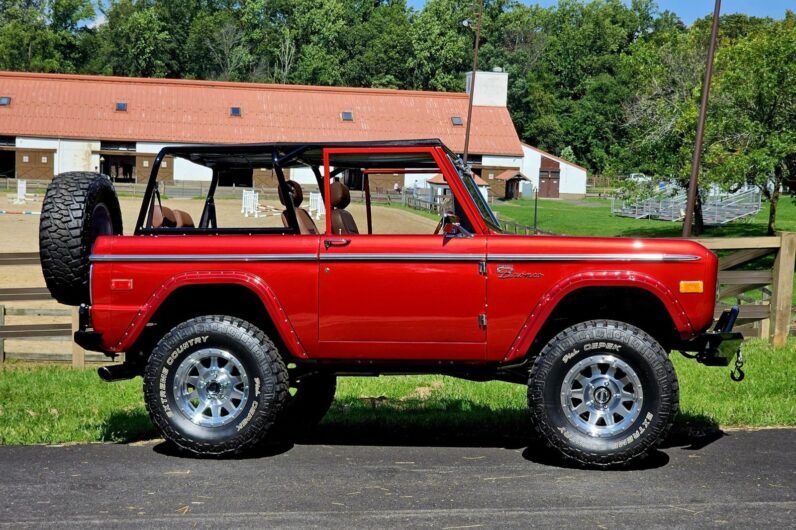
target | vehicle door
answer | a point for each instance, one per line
(401, 295)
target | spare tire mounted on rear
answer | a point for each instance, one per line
(78, 207)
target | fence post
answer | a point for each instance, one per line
(78, 353)
(2, 340)
(782, 296)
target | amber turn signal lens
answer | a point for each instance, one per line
(692, 287)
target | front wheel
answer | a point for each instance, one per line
(215, 385)
(603, 393)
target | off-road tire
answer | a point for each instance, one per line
(261, 363)
(77, 208)
(303, 410)
(587, 342)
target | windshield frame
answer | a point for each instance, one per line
(468, 179)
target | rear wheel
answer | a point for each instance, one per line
(215, 385)
(603, 393)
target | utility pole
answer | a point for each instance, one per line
(696, 161)
(472, 78)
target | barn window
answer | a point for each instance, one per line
(164, 164)
(5, 101)
(347, 115)
(44, 160)
(457, 121)
(235, 112)
(121, 106)
(25, 158)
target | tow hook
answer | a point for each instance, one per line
(737, 374)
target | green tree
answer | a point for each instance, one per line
(441, 45)
(755, 129)
(133, 40)
(378, 48)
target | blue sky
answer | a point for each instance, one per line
(689, 10)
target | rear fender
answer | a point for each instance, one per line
(548, 302)
(244, 279)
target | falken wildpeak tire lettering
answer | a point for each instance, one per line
(603, 344)
(255, 414)
(77, 208)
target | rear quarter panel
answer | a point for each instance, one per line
(125, 294)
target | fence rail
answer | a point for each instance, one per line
(773, 317)
(48, 331)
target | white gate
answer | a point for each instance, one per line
(251, 203)
(22, 190)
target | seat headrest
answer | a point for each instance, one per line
(295, 193)
(339, 195)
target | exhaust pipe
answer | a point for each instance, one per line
(116, 372)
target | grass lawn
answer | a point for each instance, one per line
(52, 404)
(592, 217)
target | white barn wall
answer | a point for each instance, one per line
(501, 161)
(70, 155)
(184, 170)
(303, 175)
(531, 163)
(76, 155)
(573, 180)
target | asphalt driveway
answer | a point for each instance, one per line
(739, 479)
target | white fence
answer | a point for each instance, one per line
(317, 209)
(250, 204)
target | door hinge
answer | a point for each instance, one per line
(482, 320)
(482, 267)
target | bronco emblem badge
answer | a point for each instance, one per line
(506, 272)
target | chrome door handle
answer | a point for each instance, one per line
(336, 242)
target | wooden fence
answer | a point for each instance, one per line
(46, 331)
(772, 310)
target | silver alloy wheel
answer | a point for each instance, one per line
(211, 387)
(601, 396)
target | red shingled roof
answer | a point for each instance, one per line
(510, 174)
(179, 111)
(439, 179)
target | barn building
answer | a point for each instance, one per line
(52, 123)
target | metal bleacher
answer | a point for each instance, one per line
(716, 210)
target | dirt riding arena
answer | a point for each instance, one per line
(19, 233)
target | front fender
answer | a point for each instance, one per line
(548, 302)
(250, 281)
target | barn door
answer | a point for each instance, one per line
(549, 182)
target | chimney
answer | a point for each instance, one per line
(491, 88)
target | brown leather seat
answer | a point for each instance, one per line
(305, 222)
(183, 219)
(164, 217)
(342, 221)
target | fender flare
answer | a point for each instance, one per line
(548, 302)
(244, 279)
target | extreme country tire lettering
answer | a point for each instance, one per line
(77, 208)
(603, 393)
(215, 385)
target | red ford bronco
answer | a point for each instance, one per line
(222, 316)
